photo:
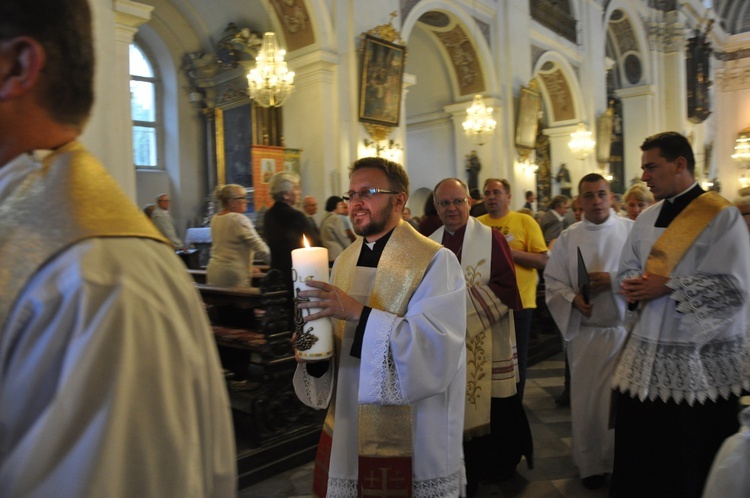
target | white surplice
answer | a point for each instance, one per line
(110, 383)
(418, 359)
(593, 343)
(692, 344)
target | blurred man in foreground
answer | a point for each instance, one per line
(110, 383)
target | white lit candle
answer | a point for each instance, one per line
(311, 263)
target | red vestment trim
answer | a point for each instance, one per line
(384, 477)
(322, 462)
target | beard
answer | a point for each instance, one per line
(378, 221)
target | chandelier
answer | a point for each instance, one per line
(479, 123)
(270, 81)
(581, 144)
(742, 147)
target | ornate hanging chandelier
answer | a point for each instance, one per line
(581, 144)
(479, 123)
(270, 81)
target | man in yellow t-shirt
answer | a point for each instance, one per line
(529, 254)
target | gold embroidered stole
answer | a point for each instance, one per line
(71, 197)
(490, 369)
(385, 430)
(671, 246)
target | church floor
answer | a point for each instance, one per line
(554, 474)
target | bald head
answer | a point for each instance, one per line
(310, 205)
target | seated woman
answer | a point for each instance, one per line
(234, 240)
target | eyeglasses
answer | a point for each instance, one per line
(454, 202)
(366, 193)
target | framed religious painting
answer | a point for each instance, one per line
(381, 81)
(529, 104)
(233, 127)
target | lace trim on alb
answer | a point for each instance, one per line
(708, 303)
(341, 488)
(384, 384)
(439, 487)
(317, 390)
(682, 371)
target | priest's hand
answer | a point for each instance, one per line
(333, 302)
(580, 304)
(645, 287)
(599, 281)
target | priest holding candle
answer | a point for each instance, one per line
(399, 366)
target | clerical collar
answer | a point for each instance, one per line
(459, 231)
(370, 256)
(691, 187)
(673, 206)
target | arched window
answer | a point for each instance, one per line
(144, 110)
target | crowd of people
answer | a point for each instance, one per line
(630, 322)
(111, 385)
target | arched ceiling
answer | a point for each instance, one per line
(458, 48)
(734, 15)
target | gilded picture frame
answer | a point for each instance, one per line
(529, 104)
(381, 81)
(234, 132)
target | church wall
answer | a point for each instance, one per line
(321, 116)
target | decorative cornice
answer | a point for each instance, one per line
(665, 37)
(729, 80)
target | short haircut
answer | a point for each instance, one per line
(63, 29)
(476, 194)
(398, 180)
(640, 193)
(671, 145)
(558, 201)
(333, 202)
(224, 193)
(282, 183)
(592, 178)
(529, 194)
(158, 197)
(505, 183)
(461, 182)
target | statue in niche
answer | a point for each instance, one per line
(473, 166)
(563, 178)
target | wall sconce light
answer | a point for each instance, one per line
(742, 147)
(388, 148)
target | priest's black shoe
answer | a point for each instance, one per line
(593, 482)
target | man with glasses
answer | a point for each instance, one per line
(496, 430)
(685, 272)
(529, 255)
(399, 371)
(110, 384)
(164, 221)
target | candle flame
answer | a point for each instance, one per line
(304, 241)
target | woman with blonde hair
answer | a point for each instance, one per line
(636, 199)
(234, 239)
